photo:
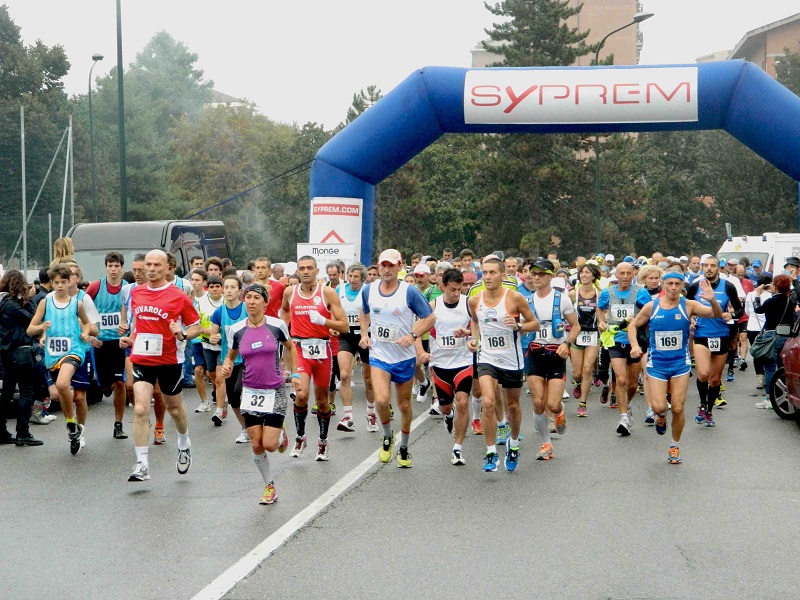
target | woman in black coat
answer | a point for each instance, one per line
(16, 312)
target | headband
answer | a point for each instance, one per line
(673, 275)
(258, 289)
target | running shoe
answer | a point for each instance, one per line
(217, 418)
(82, 440)
(119, 433)
(300, 444)
(709, 420)
(624, 425)
(650, 417)
(730, 376)
(283, 440)
(448, 422)
(385, 453)
(403, 458)
(140, 472)
(490, 462)
(202, 407)
(743, 365)
(37, 418)
(502, 434)
(270, 495)
(552, 421)
(720, 402)
(322, 450)
(674, 455)
(158, 436)
(184, 460)
(545, 452)
(435, 410)
(721, 387)
(457, 458)
(332, 406)
(765, 403)
(576, 390)
(74, 433)
(700, 417)
(561, 422)
(604, 395)
(565, 395)
(372, 423)
(760, 382)
(613, 403)
(346, 424)
(512, 459)
(597, 382)
(477, 427)
(640, 389)
(582, 411)
(661, 424)
(423, 390)
(243, 438)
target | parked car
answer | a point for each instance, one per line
(784, 390)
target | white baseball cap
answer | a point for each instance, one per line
(559, 283)
(391, 256)
(610, 257)
(422, 269)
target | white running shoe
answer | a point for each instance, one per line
(243, 437)
(202, 407)
(765, 403)
(140, 472)
(372, 423)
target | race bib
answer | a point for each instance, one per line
(314, 349)
(450, 342)
(148, 344)
(258, 401)
(352, 319)
(587, 338)
(109, 320)
(545, 331)
(498, 340)
(58, 346)
(672, 340)
(387, 332)
(714, 344)
(621, 312)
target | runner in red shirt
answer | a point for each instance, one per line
(262, 274)
(163, 316)
(311, 310)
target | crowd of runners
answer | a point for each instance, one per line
(468, 336)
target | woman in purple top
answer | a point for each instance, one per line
(262, 341)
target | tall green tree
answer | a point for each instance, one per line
(31, 77)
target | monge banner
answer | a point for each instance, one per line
(540, 96)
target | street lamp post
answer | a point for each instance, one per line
(637, 18)
(95, 58)
(123, 180)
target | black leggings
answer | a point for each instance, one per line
(18, 371)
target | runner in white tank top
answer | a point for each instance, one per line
(495, 319)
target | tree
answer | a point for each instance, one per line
(30, 76)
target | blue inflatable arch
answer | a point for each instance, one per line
(735, 96)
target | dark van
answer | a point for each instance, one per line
(184, 239)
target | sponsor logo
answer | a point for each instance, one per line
(562, 96)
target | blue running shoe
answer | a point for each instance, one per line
(502, 434)
(709, 420)
(700, 418)
(730, 376)
(490, 462)
(661, 424)
(512, 459)
(650, 417)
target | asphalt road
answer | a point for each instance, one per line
(607, 518)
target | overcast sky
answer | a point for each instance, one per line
(302, 61)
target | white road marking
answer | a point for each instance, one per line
(245, 565)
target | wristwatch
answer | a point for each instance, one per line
(414, 335)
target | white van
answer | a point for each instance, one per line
(771, 248)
